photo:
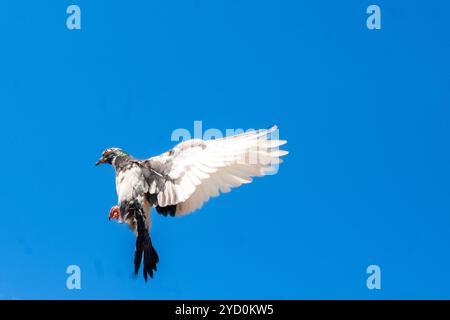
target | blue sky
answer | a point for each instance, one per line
(366, 114)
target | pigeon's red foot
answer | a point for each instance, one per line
(114, 213)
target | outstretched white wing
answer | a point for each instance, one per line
(193, 171)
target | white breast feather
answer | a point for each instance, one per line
(130, 184)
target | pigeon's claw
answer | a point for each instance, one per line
(114, 213)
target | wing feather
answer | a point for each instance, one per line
(195, 170)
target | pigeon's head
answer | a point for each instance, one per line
(110, 154)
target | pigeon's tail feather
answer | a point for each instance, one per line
(145, 248)
(150, 260)
(144, 245)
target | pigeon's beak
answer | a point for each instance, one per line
(100, 161)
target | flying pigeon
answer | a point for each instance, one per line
(182, 179)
